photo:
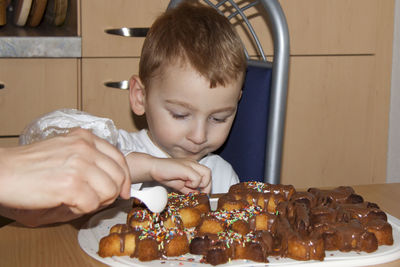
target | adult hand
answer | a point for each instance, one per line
(79, 170)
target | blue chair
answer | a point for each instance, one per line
(254, 146)
(246, 143)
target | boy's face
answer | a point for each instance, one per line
(187, 118)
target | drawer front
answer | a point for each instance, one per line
(33, 87)
(318, 27)
(100, 15)
(104, 101)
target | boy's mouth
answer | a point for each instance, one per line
(198, 153)
(194, 152)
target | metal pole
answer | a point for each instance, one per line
(279, 85)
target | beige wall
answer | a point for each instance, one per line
(393, 166)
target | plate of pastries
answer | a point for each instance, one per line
(254, 224)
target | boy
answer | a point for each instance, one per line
(191, 73)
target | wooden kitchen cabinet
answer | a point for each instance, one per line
(339, 89)
(104, 101)
(33, 87)
(113, 58)
(100, 15)
(338, 105)
(329, 137)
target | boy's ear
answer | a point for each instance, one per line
(137, 95)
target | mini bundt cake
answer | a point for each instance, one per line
(266, 196)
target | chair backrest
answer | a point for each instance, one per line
(254, 146)
(245, 148)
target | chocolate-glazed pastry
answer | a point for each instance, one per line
(339, 195)
(382, 230)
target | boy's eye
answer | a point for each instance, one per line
(178, 116)
(218, 120)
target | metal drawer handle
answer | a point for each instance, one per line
(128, 32)
(2, 86)
(123, 85)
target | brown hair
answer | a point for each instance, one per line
(193, 34)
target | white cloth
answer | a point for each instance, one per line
(60, 121)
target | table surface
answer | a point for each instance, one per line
(57, 245)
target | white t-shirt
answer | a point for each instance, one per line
(223, 175)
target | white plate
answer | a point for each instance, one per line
(99, 225)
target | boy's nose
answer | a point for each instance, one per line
(198, 133)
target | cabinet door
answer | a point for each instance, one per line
(33, 87)
(330, 134)
(101, 100)
(101, 15)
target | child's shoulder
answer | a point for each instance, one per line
(214, 161)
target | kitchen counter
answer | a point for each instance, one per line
(34, 46)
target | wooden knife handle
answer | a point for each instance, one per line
(37, 12)
(56, 12)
